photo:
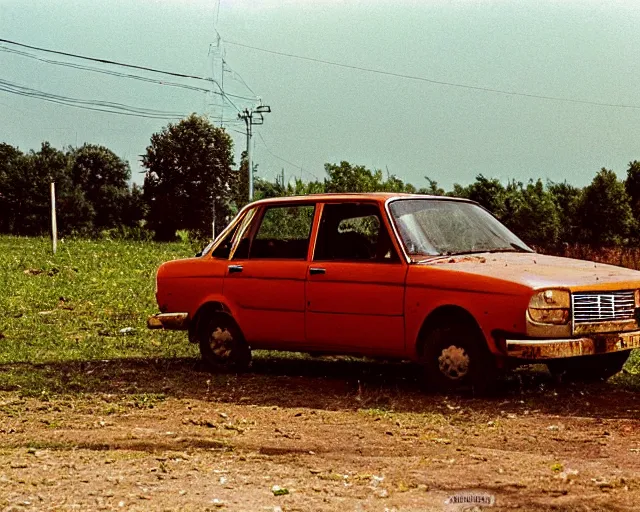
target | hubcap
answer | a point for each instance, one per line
(221, 343)
(454, 362)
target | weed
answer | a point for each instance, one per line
(556, 467)
(377, 412)
(49, 445)
(146, 400)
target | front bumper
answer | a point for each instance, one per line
(169, 321)
(533, 349)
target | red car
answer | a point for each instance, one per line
(436, 280)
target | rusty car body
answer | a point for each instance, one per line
(435, 280)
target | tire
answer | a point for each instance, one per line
(589, 368)
(222, 343)
(456, 358)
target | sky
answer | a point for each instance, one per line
(582, 50)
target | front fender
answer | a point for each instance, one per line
(492, 312)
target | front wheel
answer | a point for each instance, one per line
(589, 368)
(222, 343)
(456, 357)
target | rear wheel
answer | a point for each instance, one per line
(589, 368)
(222, 343)
(456, 357)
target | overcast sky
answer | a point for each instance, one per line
(578, 50)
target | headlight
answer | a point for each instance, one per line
(637, 298)
(550, 307)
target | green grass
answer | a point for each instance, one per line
(72, 306)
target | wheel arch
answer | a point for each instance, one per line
(205, 309)
(445, 315)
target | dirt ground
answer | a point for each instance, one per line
(328, 434)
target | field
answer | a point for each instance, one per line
(98, 413)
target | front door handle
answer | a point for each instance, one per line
(316, 271)
(234, 269)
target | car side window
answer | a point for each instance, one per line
(284, 233)
(353, 232)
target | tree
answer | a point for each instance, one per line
(91, 189)
(632, 187)
(10, 160)
(433, 188)
(188, 167)
(102, 177)
(29, 192)
(567, 199)
(265, 189)
(134, 208)
(490, 193)
(346, 177)
(459, 191)
(604, 213)
(535, 217)
(352, 178)
(240, 185)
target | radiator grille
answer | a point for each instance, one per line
(602, 306)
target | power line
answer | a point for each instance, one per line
(106, 61)
(239, 78)
(276, 156)
(103, 71)
(432, 81)
(94, 105)
(284, 159)
(118, 74)
(122, 64)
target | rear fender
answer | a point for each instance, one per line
(210, 305)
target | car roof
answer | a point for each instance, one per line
(380, 197)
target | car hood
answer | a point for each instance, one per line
(541, 271)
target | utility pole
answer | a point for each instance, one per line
(247, 115)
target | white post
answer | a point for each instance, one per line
(54, 227)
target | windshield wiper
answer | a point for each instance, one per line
(461, 253)
(513, 248)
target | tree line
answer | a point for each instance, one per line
(92, 191)
(191, 180)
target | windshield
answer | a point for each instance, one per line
(433, 227)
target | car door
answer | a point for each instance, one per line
(355, 284)
(265, 277)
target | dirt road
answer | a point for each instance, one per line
(307, 435)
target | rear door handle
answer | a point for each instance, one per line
(316, 271)
(234, 269)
